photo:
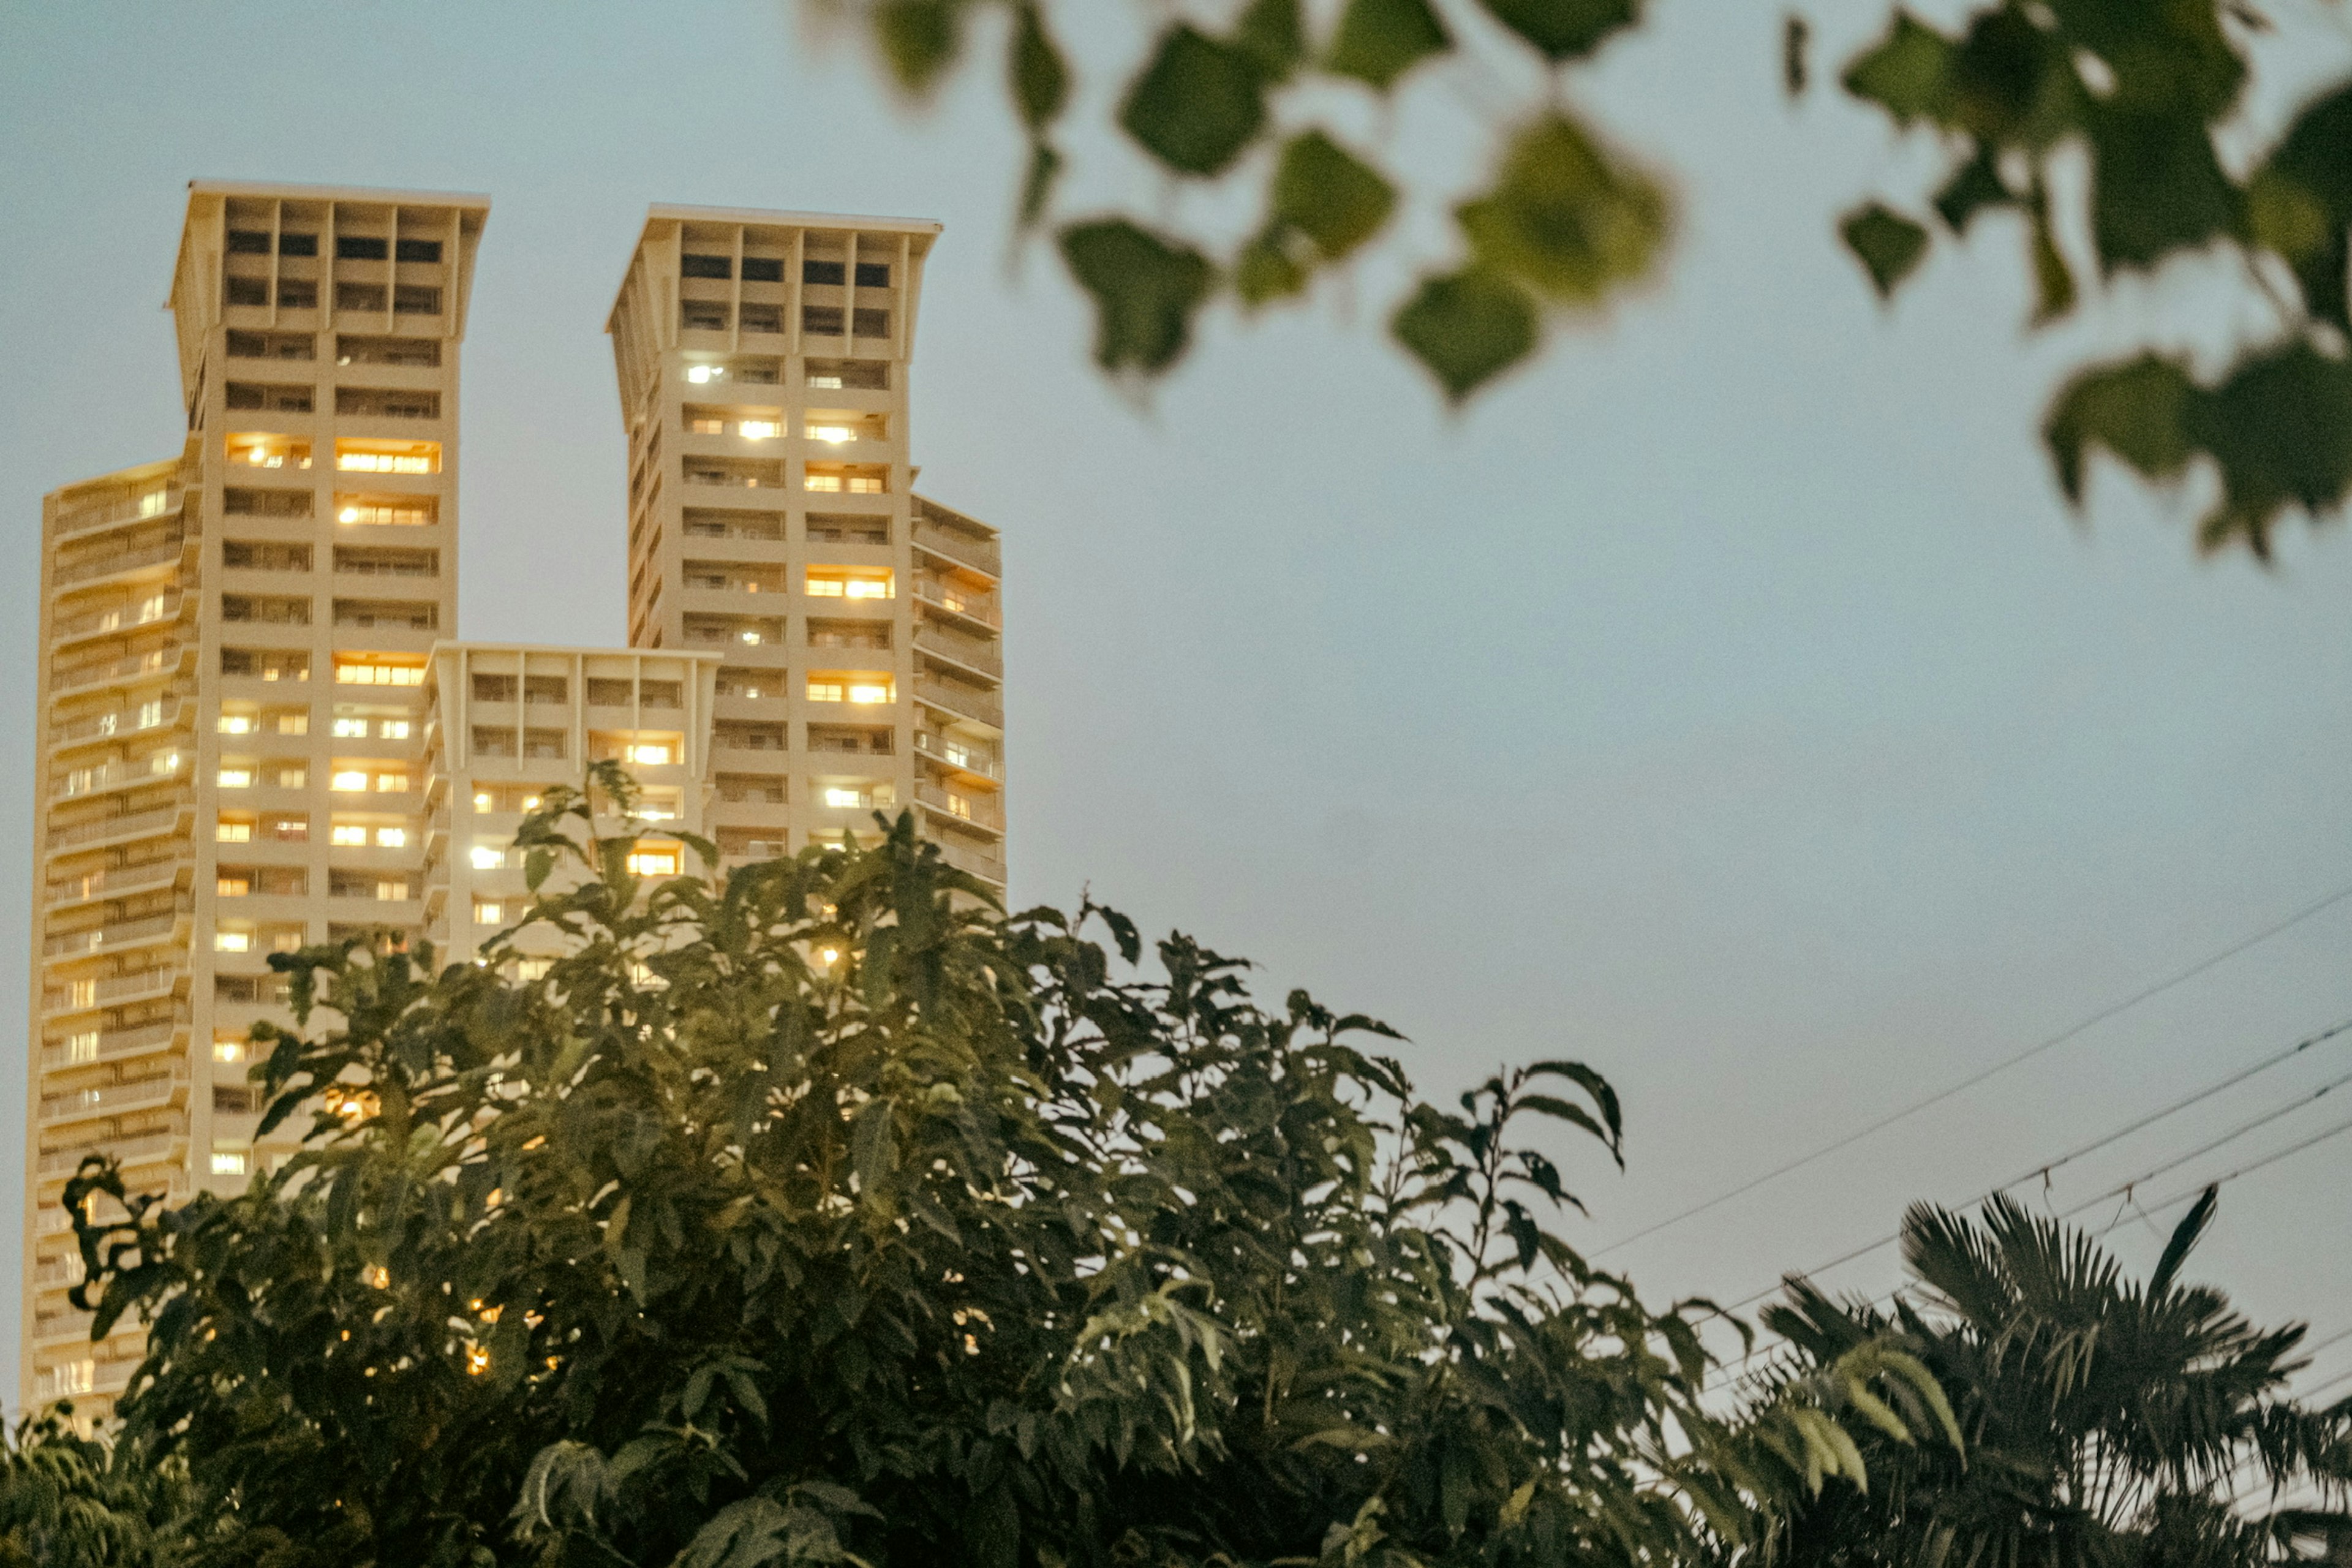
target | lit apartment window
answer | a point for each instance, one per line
(229, 1046)
(232, 941)
(349, 779)
(705, 424)
(235, 778)
(657, 753)
(838, 582)
(489, 856)
(349, 835)
(824, 691)
(230, 1159)
(840, 797)
(869, 691)
(261, 451)
(393, 729)
(383, 514)
(704, 374)
(653, 862)
(232, 886)
(388, 456)
(379, 672)
(845, 481)
(234, 831)
(759, 429)
(488, 912)
(82, 1046)
(391, 890)
(351, 729)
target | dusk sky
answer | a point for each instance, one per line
(1726, 700)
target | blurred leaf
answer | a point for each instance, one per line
(2136, 410)
(1796, 40)
(1267, 269)
(1041, 80)
(1887, 243)
(1564, 217)
(1329, 194)
(1037, 186)
(2302, 204)
(1564, 29)
(1380, 40)
(2054, 281)
(1906, 73)
(1977, 185)
(2155, 188)
(919, 39)
(1146, 291)
(1273, 35)
(1197, 104)
(2280, 427)
(1467, 327)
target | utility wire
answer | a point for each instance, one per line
(2183, 1197)
(2231, 1081)
(2051, 1043)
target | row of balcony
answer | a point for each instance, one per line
(151, 1092)
(117, 565)
(121, 827)
(116, 882)
(115, 937)
(151, 983)
(158, 502)
(90, 1045)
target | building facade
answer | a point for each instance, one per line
(256, 733)
(762, 361)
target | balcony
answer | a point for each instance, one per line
(972, 653)
(956, 754)
(961, 702)
(115, 938)
(151, 1092)
(80, 783)
(146, 1148)
(118, 881)
(153, 504)
(977, 810)
(151, 985)
(121, 828)
(118, 565)
(948, 596)
(987, 868)
(117, 618)
(171, 710)
(93, 675)
(112, 1045)
(725, 474)
(984, 557)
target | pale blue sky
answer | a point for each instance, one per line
(1726, 700)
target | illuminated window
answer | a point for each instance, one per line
(383, 514)
(488, 857)
(653, 862)
(960, 806)
(843, 797)
(481, 800)
(349, 778)
(269, 452)
(761, 429)
(834, 435)
(82, 1047)
(391, 890)
(350, 835)
(704, 374)
(388, 456)
(151, 713)
(297, 722)
(379, 672)
(393, 729)
(236, 778)
(824, 691)
(391, 784)
(232, 886)
(232, 831)
(351, 729)
(832, 583)
(237, 724)
(701, 427)
(657, 753)
(232, 942)
(229, 1160)
(398, 838)
(824, 484)
(487, 913)
(825, 587)
(227, 1046)
(869, 691)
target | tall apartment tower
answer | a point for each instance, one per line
(233, 670)
(762, 360)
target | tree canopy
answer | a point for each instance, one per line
(821, 1214)
(2156, 104)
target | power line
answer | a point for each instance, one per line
(2181, 1197)
(1891, 1118)
(2230, 1081)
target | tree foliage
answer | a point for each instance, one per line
(819, 1214)
(1237, 95)
(2111, 1422)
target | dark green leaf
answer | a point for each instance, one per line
(2301, 203)
(2155, 188)
(1564, 29)
(1329, 194)
(2053, 279)
(1467, 327)
(1565, 218)
(1146, 291)
(2136, 410)
(1273, 34)
(919, 39)
(1887, 243)
(1037, 186)
(1906, 73)
(2280, 428)
(1040, 81)
(1796, 40)
(1197, 104)
(1977, 185)
(1380, 40)
(1269, 266)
